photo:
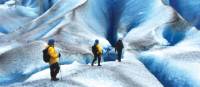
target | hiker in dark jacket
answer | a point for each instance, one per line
(119, 48)
(97, 52)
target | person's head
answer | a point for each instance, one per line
(120, 39)
(96, 42)
(51, 42)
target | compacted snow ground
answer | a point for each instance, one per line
(110, 74)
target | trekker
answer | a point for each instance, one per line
(54, 59)
(97, 51)
(119, 48)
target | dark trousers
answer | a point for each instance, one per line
(119, 55)
(95, 58)
(54, 69)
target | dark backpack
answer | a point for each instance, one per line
(94, 50)
(46, 57)
(119, 45)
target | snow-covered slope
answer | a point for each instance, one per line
(126, 74)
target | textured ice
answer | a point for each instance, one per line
(176, 65)
(190, 10)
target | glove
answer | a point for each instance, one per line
(59, 55)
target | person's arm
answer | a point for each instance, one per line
(59, 55)
(122, 45)
(52, 52)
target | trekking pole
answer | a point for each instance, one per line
(60, 70)
(60, 74)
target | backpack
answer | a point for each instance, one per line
(46, 57)
(94, 50)
(119, 45)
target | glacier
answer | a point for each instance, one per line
(160, 37)
(189, 10)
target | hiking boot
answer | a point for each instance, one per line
(99, 65)
(54, 79)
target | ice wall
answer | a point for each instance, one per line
(190, 10)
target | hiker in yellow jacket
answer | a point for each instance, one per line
(54, 59)
(97, 51)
